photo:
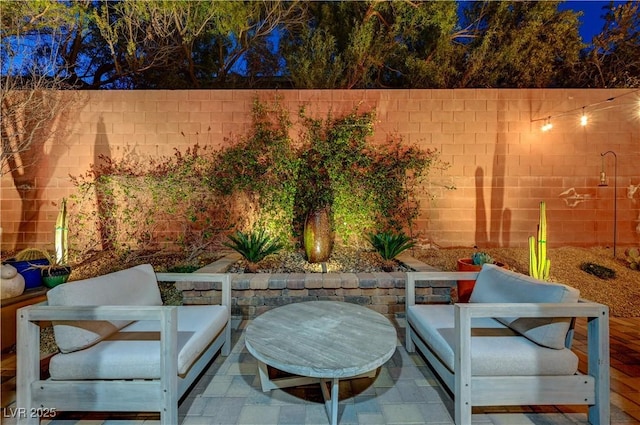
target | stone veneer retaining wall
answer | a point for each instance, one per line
(253, 294)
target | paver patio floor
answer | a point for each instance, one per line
(404, 391)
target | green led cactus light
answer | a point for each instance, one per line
(61, 232)
(539, 264)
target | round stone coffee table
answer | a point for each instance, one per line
(320, 341)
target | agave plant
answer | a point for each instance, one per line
(254, 246)
(389, 245)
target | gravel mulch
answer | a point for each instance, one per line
(342, 260)
(621, 294)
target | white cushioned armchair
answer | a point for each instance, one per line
(120, 348)
(511, 344)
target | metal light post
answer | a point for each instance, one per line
(603, 183)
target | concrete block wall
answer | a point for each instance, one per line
(502, 164)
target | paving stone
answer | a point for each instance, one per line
(257, 414)
(331, 280)
(367, 280)
(313, 280)
(260, 281)
(349, 280)
(371, 419)
(402, 413)
(292, 414)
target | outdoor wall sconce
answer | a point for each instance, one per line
(603, 183)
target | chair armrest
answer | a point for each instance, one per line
(413, 277)
(44, 312)
(224, 279)
(225, 288)
(580, 309)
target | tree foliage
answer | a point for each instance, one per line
(324, 44)
(519, 44)
(33, 54)
(188, 43)
(614, 60)
(372, 44)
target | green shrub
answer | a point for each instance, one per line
(258, 172)
(262, 180)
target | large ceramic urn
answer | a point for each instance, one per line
(317, 236)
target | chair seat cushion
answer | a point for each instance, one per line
(496, 350)
(134, 351)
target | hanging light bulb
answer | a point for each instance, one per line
(583, 119)
(547, 125)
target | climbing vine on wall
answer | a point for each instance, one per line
(367, 186)
(262, 179)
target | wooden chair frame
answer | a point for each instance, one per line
(35, 394)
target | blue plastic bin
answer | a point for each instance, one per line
(32, 275)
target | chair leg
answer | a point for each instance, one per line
(409, 345)
(226, 347)
(28, 368)
(462, 413)
(169, 416)
(598, 366)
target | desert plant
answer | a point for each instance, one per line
(61, 235)
(633, 258)
(599, 271)
(539, 264)
(53, 267)
(389, 245)
(30, 254)
(479, 258)
(254, 246)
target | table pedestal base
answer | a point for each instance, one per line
(330, 395)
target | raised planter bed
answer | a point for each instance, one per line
(254, 293)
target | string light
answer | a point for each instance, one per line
(584, 118)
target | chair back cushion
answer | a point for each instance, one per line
(134, 286)
(498, 285)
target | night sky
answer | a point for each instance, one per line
(591, 21)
